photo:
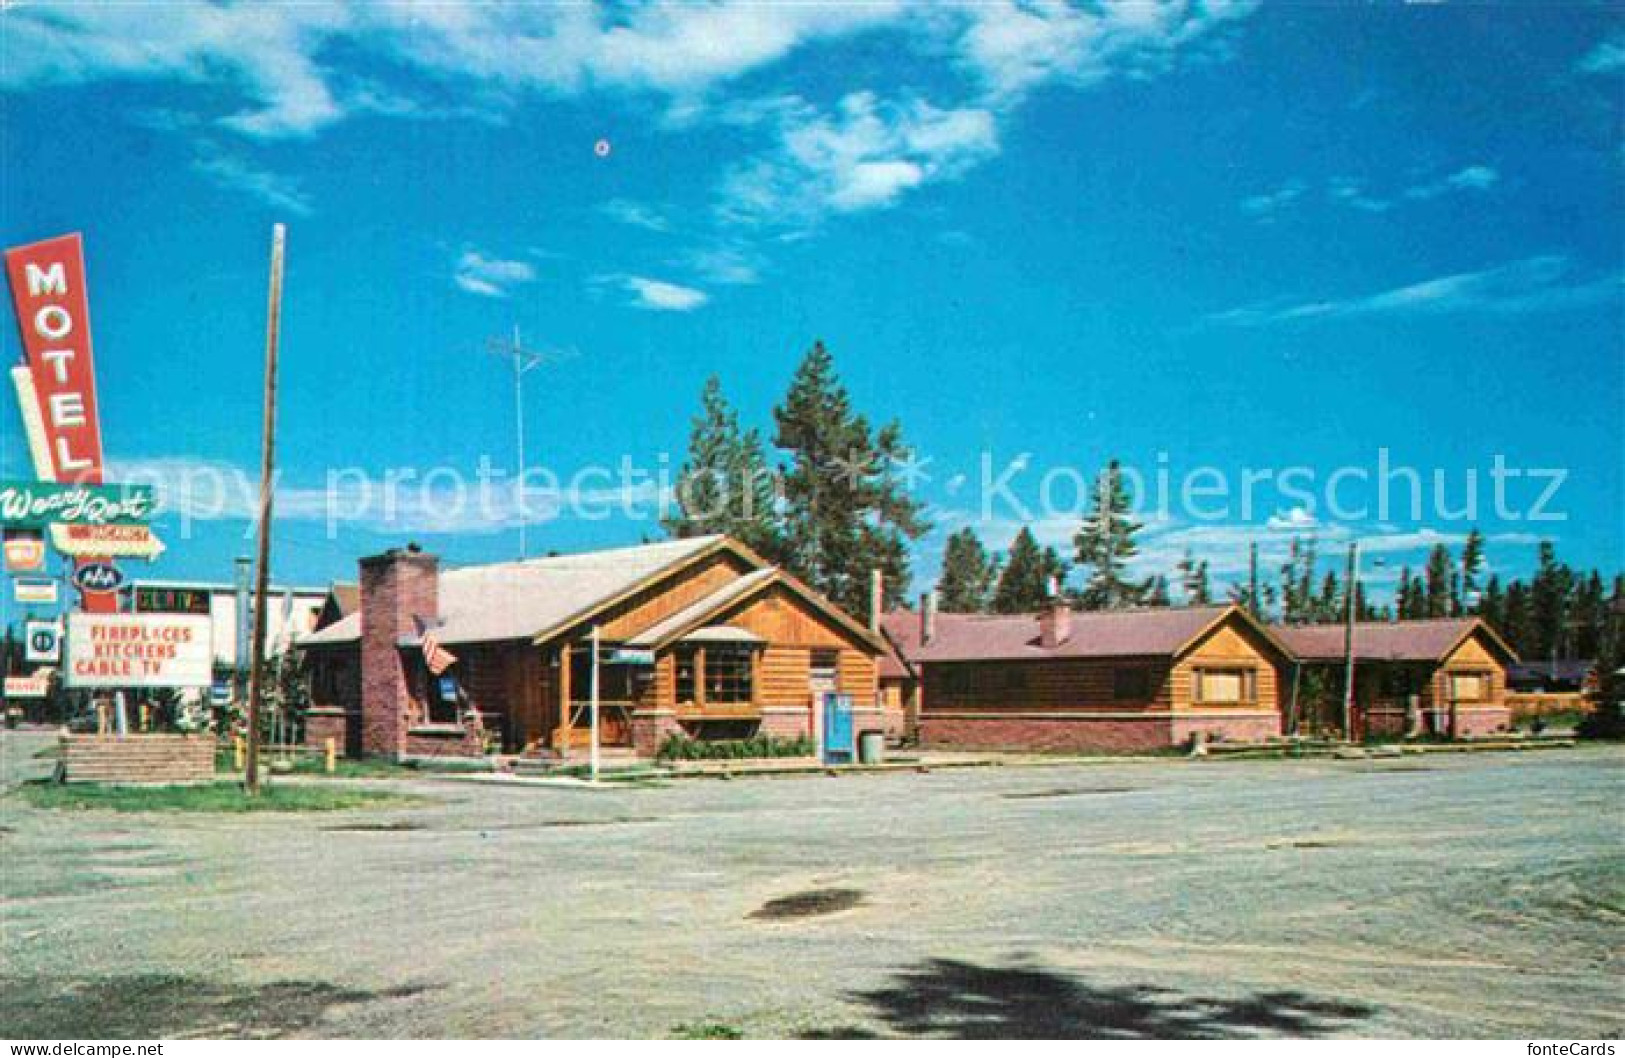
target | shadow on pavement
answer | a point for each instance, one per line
(166, 1006)
(947, 998)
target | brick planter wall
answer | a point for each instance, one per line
(153, 759)
(324, 724)
(786, 722)
(650, 728)
(1478, 722)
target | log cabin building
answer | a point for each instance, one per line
(703, 638)
(1064, 681)
(1444, 677)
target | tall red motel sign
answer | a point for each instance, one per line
(57, 389)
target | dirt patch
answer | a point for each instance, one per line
(808, 903)
(1305, 843)
(1067, 792)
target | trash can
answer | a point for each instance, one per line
(871, 747)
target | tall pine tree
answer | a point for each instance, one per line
(1193, 580)
(1105, 544)
(725, 485)
(968, 572)
(1024, 582)
(845, 512)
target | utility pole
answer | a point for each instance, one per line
(256, 668)
(523, 360)
(1350, 588)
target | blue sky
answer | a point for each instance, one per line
(1218, 235)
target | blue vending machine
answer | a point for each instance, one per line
(838, 741)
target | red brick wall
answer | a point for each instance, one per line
(396, 587)
(1086, 734)
(652, 727)
(1046, 735)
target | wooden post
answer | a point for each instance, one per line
(1348, 644)
(256, 668)
(237, 752)
(563, 739)
(332, 748)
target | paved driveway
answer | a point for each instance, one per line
(1453, 896)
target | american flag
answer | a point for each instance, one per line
(435, 656)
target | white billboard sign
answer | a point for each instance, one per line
(139, 650)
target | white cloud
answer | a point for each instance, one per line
(1266, 204)
(1606, 58)
(1535, 284)
(490, 277)
(726, 265)
(278, 60)
(1014, 45)
(1352, 193)
(661, 296)
(864, 155)
(635, 215)
(275, 191)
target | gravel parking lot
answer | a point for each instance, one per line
(1460, 895)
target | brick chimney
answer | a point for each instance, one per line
(877, 598)
(928, 617)
(397, 587)
(1055, 622)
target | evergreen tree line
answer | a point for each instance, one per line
(1558, 612)
(822, 498)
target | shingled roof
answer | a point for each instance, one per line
(1429, 640)
(1151, 632)
(519, 600)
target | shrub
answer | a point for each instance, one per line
(682, 747)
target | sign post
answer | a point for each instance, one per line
(596, 661)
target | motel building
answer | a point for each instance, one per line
(1134, 680)
(1067, 681)
(1444, 677)
(699, 637)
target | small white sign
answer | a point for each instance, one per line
(139, 650)
(32, 592)
(43, 641)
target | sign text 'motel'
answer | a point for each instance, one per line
(47, 503)
(53, 313)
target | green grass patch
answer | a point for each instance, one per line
(706, 1030)
(212, 797)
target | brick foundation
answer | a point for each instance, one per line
(1476, 723)
(1085, 734)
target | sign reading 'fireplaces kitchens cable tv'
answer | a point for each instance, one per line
(139, 650)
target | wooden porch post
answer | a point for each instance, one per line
(562, 732)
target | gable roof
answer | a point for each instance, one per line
(687, 620)
(346, 597)
(1430, 640)
(1151, 632)
(536, 597)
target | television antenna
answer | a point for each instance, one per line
(524, 360)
